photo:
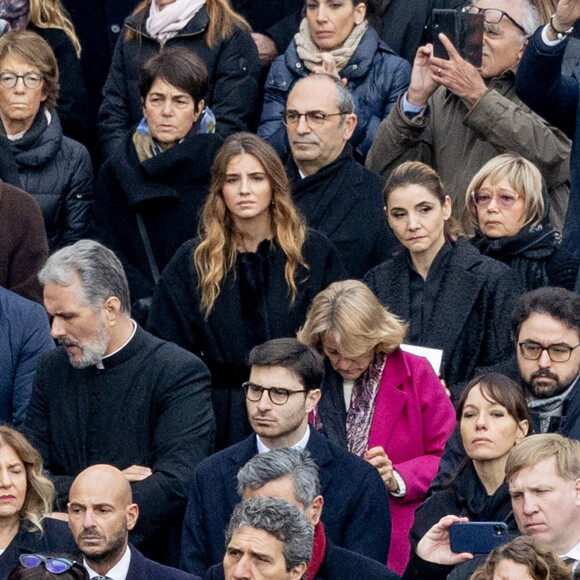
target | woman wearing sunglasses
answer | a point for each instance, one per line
(26, 497)
(44, 567)
(507, 205)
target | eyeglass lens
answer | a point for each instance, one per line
(277, 395)
(556, 352)
(504, 200)
(31, 80)
(53, 565)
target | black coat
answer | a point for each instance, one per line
(252, 307)
(355, 514)
(233, 69)
(470, 320)
(56, 538)
(141, 568)
(149, 406)
(168, 191)
(344, 201)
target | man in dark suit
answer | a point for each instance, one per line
(283, 389)
(101, 512)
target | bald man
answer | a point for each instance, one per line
(101, 512)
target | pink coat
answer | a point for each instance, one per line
(412, 420)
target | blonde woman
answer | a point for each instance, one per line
(383, 404)
(249, 276)
(27, 497)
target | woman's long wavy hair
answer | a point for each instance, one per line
(39, 489)
(223, 19)
(52, 14)
(216, 254)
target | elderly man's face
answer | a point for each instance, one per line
(546, 505)
(256, 555)
(502, 42)
(79, 328)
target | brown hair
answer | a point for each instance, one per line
(52, 14)
(355, 318)
(216, 254)
(30, 47)
(417, 173)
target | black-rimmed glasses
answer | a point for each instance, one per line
(313, 118)
(278, 395)
(492, 15)
(557, 352)
(53, 565)
(31, 80)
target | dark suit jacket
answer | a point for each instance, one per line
(356, 506)
(143, 569)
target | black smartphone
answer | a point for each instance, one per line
(463, 29)
(477, 537)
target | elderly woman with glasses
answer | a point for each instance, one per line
(508, 206)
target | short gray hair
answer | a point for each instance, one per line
(280, 519)
(343, 100)
(100, 273)
(280, 463)
(531, 20)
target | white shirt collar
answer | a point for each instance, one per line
(262, 448)
(100, 364)
(574, 553)
(118, 572)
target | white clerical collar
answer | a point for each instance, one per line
(262, 448)
(118, 572)
(100, 365)
(574, 553)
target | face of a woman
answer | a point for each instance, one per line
(247, 191)
(331, 21)
(170, 112)
(19, 105)
(510, 570)
(348, 368)
(418, 218)
(496, 221)
(12, 483)
(161, 4)
(487, 429)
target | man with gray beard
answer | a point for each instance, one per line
(115, 394)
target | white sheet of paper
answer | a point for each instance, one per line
(433, 355)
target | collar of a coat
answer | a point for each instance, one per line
(197, 25)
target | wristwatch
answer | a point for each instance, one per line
(560, 34)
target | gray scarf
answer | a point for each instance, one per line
(550, 407)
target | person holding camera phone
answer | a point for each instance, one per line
(456, 117)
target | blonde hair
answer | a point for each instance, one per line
(354, 317)
(216, 254)
(52, 14)
(39, 489)
(523, 176)
(223, 19)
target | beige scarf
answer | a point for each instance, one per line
(309, 53)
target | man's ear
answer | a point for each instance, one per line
(132, 515)
(349, 125)
(312, 398)
(112, 309)
(314, 512)
(298, 571)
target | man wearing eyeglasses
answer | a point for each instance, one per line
(456, 117)
(283, 390)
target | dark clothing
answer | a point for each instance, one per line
(233, 69)
(254, 305)
(375, 74)
(57, 172)
(168, 191)
(141, 568)
(469, 320)
(56, 539)
(24, 337)
(355, 514)
(344, 201)
(149, 406)
(540, 84)
(23, 243)
(71, 104)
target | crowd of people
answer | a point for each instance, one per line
(284, 295)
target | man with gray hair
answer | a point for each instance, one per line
(267, 538)
(335, 194)
(456, 117)
(113, 393)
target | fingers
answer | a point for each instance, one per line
(137, 473)
(449, 47)
(375, 452)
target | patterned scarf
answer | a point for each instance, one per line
(362, 405)
(167, 23)
(309, 53)
(13, 15)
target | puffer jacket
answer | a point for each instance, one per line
(58, 173)
(375, 74)
(233, 72)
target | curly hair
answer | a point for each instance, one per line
(216, 254)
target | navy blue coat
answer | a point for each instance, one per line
(375, 74)
(541, 86)
(142, 568)
(356, 505)
(24, 337)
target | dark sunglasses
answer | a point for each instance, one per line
(54, 565)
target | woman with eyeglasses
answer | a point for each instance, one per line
(336, 37)
(507, 204)
(34, 153)
(249, 277)
(26, 498)
(48, 567)
(454, 299)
